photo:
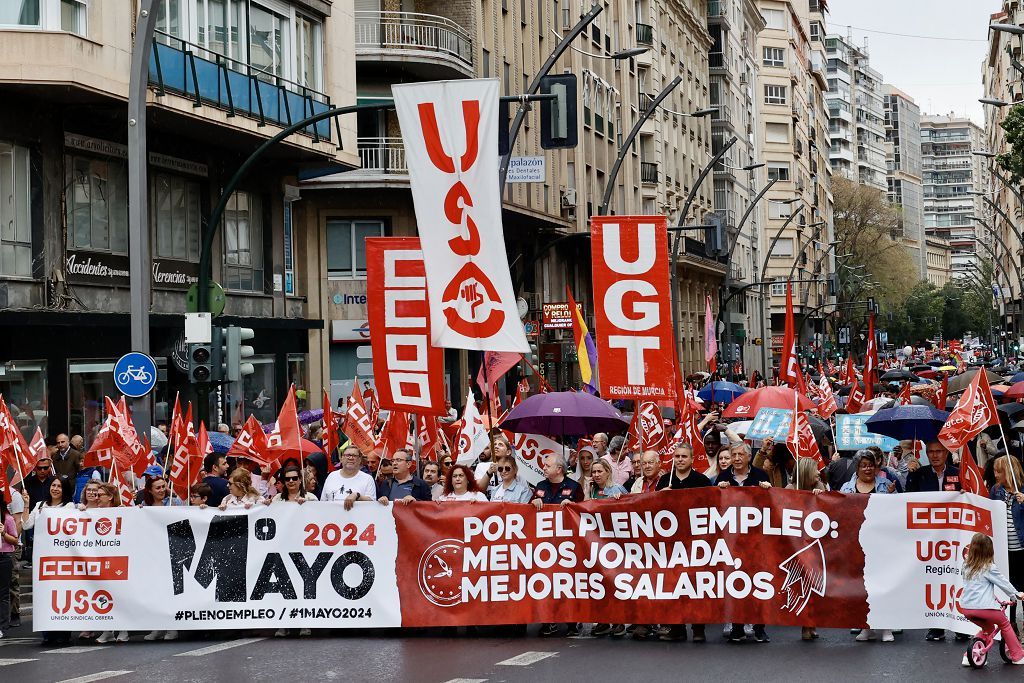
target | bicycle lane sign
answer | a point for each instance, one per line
(135, 374)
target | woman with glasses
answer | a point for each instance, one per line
(511, 488)
(241, 493)
(460, 485)
(294, 489)
(90, 495)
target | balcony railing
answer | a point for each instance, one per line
(717, 8)
(207, 77)
(382, 155)
(648, 172)
(644, 34)
(413, 31)
(722, 114)
(716, 60)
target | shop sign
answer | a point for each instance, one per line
(557, 316)
(94, 268)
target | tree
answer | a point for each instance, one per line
(1013, 160)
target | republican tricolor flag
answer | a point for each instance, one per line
(586, 350)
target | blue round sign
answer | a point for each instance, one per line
(135, 374)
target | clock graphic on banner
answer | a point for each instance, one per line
(440, 572)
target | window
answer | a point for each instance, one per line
(816, 31)
(308, 59)
(97, 204)
(778, 210)
(779, 287)
(218, 25)
(23, 385)
(49, 15)
(346, 246)
(267, 41)
(774, 18)
(784, 247)
(243, 243)
(776, 132)
(486, 66)
(778, 171)
(258, 390)
(774, 94)
(774, 56)
(15, 218)
(176, 217)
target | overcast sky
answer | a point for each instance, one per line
(942, 75)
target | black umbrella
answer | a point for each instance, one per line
(1010, 410)
(899, 375)
(919, 368)
(845, 390)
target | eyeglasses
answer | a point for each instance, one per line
(42, 468)
(400, 460)
(447, 463)
(287, 479)
(351, 455)
(103, 493)
(504, 468)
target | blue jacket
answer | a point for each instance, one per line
(1016, 509)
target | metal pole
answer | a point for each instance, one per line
(602, 210)
(517, 122)
(140, 278)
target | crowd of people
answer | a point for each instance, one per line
(598, 468)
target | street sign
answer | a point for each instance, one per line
(135, 374)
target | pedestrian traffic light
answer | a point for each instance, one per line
(558, 122)
(235, 353)
(199, 358)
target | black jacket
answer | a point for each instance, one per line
(925, 479)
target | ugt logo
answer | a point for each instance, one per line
(470, 300)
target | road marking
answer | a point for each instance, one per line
(219, 647)
(527, 658)
(467, 680)
(76, 650)
(99, 676)
(8, 662)
(6, 642)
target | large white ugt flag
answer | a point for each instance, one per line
(450, 133)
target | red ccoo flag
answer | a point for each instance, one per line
(975, 411)
(789, 367)
(870, 360)
(800, 438)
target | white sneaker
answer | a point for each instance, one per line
(122, 637)
(865, 635)
(281, 633)
(171, 635)
(965, 662)
(1018, 662)
(303, 632)
(887, 637)
(153, 635)
(105, 637)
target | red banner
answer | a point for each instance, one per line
(632, 306)
(770, 556)
(408, 369)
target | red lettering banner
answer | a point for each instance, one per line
(633, 307)
(408, 369)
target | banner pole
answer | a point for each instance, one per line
(1006, 447)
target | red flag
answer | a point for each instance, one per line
(429, 437)
(801, 385)
(855, 399)
(494, 367)
(285, 441)
(975, 411)
(186, 461)
(972, 480)
(358, 426)
(251, 444)
(117, 479)
(870, 360)
(940, 395)
(395, 433)
(710, 339)
(647, 430)
(827, 405)
(688, 423)
(331, 437)
(903, 399)
(800, 438)
(203, 439)
(789, 367)
(14, 450)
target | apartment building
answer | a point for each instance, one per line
(794, 143)
(903, 172)
(937, 257)
(858, 131)
(950, 174)
(734, 25)
(546, 222)
(1003, 85)
(223, 77)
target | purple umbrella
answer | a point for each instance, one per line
(564, 413)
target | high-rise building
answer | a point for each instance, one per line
(903, 172)
(857, 129)
(794, 143)
(950, 173)
(734, 25)
(223, 77)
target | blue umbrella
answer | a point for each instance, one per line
(908, 422)
(220, 441)
(1019, 377)
(720, 392)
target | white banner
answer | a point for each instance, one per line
(450, 133)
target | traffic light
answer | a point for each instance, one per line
(833, 284)
(558, 122)
(199, 358)
(235, 353)
(533, 359)
(714, 239)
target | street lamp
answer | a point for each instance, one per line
(623, 54)
(983, 153)
(1008, 28)
(994, 102)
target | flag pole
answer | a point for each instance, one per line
(1006, 444)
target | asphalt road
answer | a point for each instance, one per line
(431, 657)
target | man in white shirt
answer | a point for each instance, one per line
(349, 483)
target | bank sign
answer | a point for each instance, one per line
(95, 268)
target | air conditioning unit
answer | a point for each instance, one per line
(534, 300)
(569, 198)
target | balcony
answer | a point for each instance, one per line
(382, 155)
(648, 173)
(209, 78)
(718, 10)
(716, 62)
(722, 115)
(644, 34)
(425, 45)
